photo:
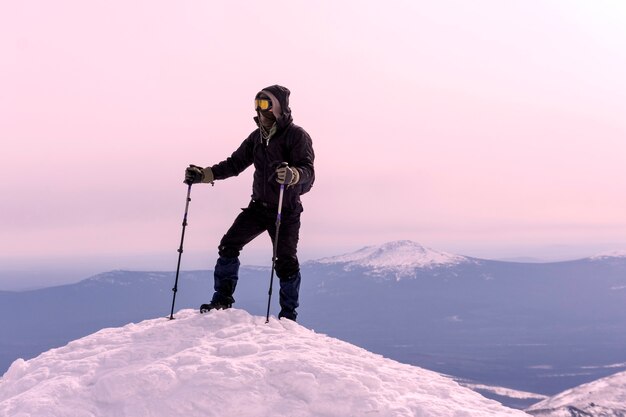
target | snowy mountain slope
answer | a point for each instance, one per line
(605, 397)
(399, 257)
(227, 363)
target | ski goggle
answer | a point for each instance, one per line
(262, 104)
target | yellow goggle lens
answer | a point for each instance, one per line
(262, 104)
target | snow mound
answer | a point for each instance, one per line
(605, 397)
(227, 363)
(402, 257)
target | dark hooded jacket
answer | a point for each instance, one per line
(290, 143)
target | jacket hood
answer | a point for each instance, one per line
(279, 94)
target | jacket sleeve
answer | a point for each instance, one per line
(302, 157)
(235, 164)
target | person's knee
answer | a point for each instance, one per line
(228, 251)
(287, 270)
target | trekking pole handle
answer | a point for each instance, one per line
(280, 200)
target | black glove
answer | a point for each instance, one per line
(193, 175)
(287, 176)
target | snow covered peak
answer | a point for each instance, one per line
(401, 256)
(605, 397)
(227, 363)
(610, 254)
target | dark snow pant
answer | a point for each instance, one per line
(251, 222)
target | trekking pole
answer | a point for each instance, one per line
(180, 250)
(280, 206)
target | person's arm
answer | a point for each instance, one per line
(235, 164)
(302, 158)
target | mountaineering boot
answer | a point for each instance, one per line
(205, 308)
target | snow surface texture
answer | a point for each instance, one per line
(401, 257)
(227, 364)
(605, 397)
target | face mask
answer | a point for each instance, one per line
(268, 114)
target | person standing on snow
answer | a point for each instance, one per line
(276, 140)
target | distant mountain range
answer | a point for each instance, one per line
(532, 327)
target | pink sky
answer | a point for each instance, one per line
(490, 128)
